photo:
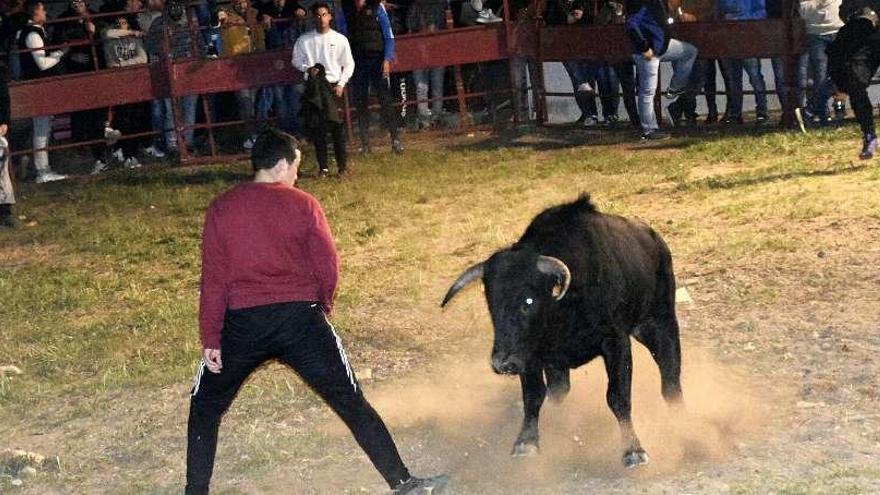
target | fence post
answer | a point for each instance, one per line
(790, 70)
(512, 62)
(168, 64)
(539, 90)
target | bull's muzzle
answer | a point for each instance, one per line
(507, 365)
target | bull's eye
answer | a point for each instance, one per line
(527, 305)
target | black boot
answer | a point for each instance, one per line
(7, 218)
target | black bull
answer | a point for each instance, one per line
(576, 286)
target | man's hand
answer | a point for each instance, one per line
(685, 17)
(3, 129)
(267, 22)
(386, 69)
(339, 90)
(313, 71)
(300, 12)
(90, 27)
(212, 360)
(648, 54)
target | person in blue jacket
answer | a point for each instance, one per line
(647, 26)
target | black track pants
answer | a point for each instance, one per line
(299, 335)
(861, 105)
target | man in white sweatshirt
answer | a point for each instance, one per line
(36, 64)
(822, 21)
(325, 50)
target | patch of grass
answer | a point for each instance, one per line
(100, 297)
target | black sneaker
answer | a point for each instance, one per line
(9, 221)
(839, 110)
(434, 485)
(396, 146)
(323, 173)
(712, 118)
(732, 120)
(655, 136)
(673, 94)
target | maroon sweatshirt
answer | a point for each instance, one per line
(263, 244)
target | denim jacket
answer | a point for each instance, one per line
(741, 10)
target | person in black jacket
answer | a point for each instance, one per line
(367, 26)
(853, 58)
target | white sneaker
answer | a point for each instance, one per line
(591, 121)
(248, 144)
(99, 167)
(154, 152)
(585, 88)
(49, 177)
(488, 17)
(132, 162)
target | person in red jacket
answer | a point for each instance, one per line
(269, 274)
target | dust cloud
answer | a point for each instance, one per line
(462, 419)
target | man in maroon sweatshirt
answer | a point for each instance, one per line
(269, 274)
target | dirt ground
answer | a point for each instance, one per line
(781, 393)
(780, 369)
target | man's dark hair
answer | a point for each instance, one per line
(30, 7)
(321, 5)
(272, 145)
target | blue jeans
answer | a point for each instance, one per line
(817, 60)
(286, 101)
(732, 70)
(424, 78)
(163, 119)
(682, 56)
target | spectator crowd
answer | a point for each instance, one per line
(348, 46)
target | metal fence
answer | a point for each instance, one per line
(462, 50)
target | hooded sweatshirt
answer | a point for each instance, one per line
(821, 16)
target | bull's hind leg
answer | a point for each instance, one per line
(617, 355)
(534, 391)
(660, 336)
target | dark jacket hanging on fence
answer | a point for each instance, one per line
(319, 102)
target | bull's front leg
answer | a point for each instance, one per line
(533, 391)
(618, 364)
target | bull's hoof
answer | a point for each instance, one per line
(523, 449)
(557, 394)
(634, 459)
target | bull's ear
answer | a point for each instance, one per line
(555, 266)
(472, 274)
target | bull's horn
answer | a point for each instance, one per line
(471, 274)
(555, 266)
